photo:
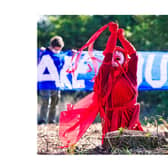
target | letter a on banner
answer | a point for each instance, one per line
(47, 62)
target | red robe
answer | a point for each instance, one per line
(117, 97)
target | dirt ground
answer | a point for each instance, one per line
(90, 143)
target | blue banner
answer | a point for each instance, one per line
(152, 72)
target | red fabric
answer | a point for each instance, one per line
(112, 41)
(76, 120)
(89, 45)
(115, 97)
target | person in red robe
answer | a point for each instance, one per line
(114, 95)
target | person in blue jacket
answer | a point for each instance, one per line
(48, 92)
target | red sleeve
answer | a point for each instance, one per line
(132, 64)
(111, 43)
(105, 68)
(103, 74)
(132, 68)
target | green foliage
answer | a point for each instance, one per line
(45, 29)
(71, 149)
(150, 32)
(146, 32)
(148, 134)
(121, 130)
(153, 103)
(77, 29)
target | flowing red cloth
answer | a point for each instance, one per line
(77, 119)
(89, 45)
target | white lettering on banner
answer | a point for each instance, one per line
(140, 68)
(63, 74)
(47, 62)
(143, 72)
(163, 71)
(82, 69)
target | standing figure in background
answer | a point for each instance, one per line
(49, 98)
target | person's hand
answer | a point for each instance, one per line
(125, 43)
(120, 33)
(74, 51)
(113, 26)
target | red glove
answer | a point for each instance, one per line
(120, 33)
(113, 27)
(125, 43)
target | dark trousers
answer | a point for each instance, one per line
(49, 100)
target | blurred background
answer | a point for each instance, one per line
(146, 32)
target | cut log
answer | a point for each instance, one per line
(131, 139)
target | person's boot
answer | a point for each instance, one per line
(41, 122)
